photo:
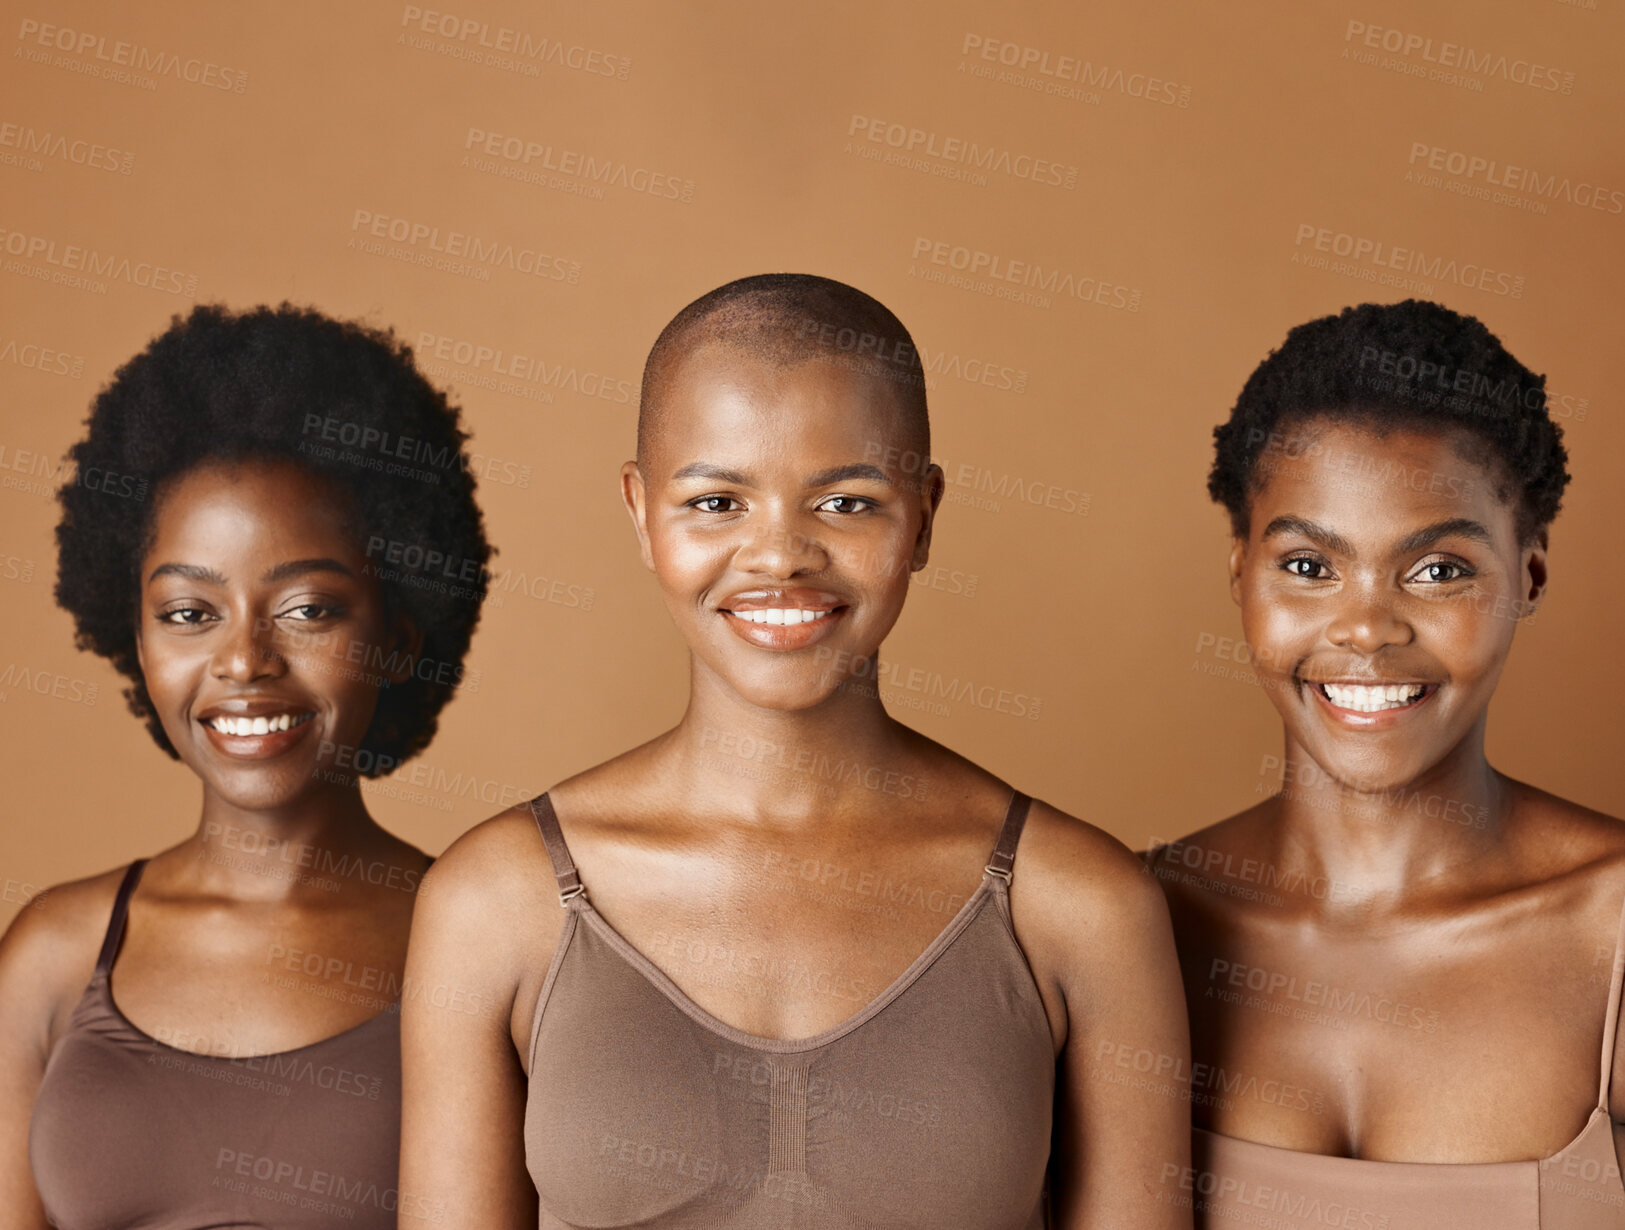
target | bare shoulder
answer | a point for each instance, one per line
(615, 794)
(1080, 885)
(486, 909)
(65, 921)
(1551, 818)
(498, 872)
(1183, 866)
(1222, 835)
(49, 951)
(1573, 854)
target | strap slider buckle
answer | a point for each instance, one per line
(998, 871)
(575, 890)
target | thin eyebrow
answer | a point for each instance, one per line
(717, 474)
(1317, 534)
(300, 567)
(190, 572)
(840, 474)
(836, 474)
(1455, 527)
(293, 568)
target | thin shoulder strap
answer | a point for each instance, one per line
(564, 868)
(121, 909)
(1004, 850)
(1610, 1030)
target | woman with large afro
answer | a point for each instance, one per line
(271, 533)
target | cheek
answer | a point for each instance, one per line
(1278, 629)
(1472, 645)
(340, 667)
(171, 670)
(680, 559)
(878, 562)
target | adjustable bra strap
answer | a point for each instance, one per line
(1610, 1030)
(121, 908)
(1004, 850)
(564, 868)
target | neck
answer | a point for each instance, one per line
(842, 755)
(285, 852)
(1379, 849)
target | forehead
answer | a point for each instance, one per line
(223, 509)
(1362, 481)
(722, 401)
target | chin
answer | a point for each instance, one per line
(782, 700)
(1379, 776)
(785, 695)
(260, 795)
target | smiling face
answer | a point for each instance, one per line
(260, 632)
(782, 515)
(1380, 585)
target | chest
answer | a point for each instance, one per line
(927, 1105)
(1434, 1047)
(250, 981)
(788, 946)
(126, 1131)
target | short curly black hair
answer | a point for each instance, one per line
(1414, 364)
(338, 398)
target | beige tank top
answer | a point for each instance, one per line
(929, 1107)
(1233, 1182)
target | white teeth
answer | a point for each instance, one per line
(242, 727)
(1364, 699)
(780, 616)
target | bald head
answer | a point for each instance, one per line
(784, 320)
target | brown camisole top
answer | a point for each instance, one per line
(130, 1132)
(929, 1108)
(1234, 1182)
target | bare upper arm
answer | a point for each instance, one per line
(1096, 928)
(487, 917)
(47, 957)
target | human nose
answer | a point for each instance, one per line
(779, 545)
(244, 652)
(1366, 620)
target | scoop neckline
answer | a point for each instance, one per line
(105, 978)
(1332, 1159)
(683, 1002)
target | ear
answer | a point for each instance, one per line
(932, 485)
(635, 497)
(1238, 561)
(1533, 573)
(140, 649)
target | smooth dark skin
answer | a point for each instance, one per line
(1492, 920)
(198, 969)
(673, 845)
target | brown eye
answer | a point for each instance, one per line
(851, 503)
(184, 615)
(1442, 571)
(713, 503)
(307, 611)
(1309, 569)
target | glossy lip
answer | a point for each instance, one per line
(1385, 719)
(783, 638)
(255, 747)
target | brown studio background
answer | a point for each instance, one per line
(248, 150)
